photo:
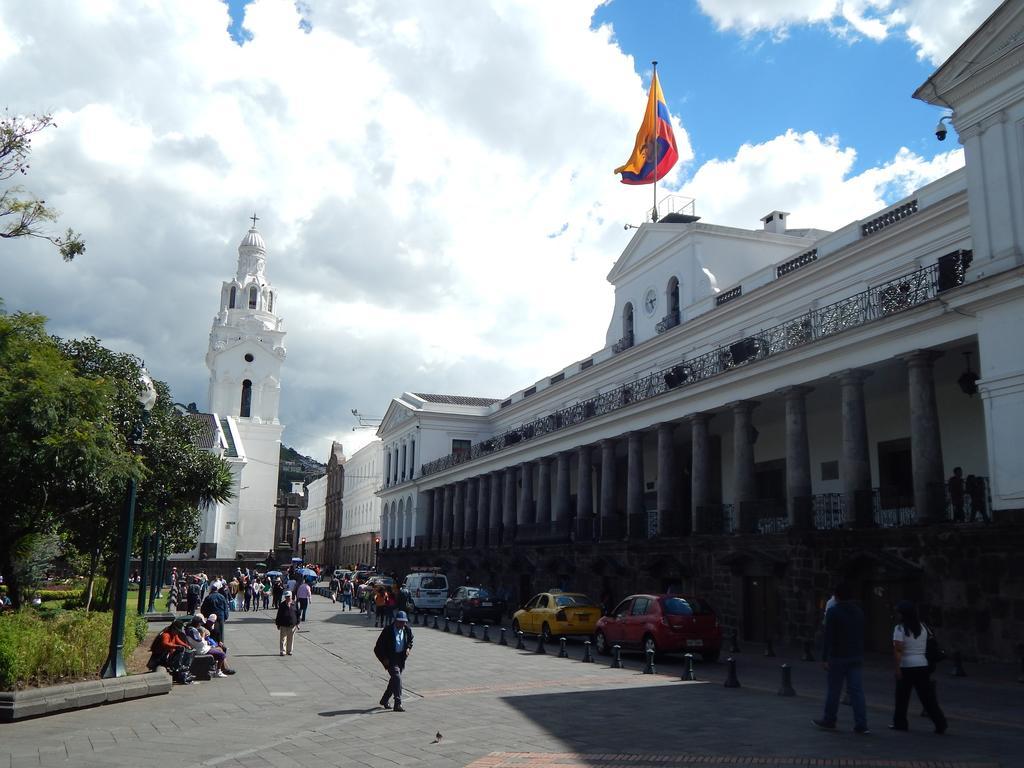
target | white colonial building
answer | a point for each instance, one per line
(313, 522)
(245, 355)
(761, 383)
(360, 516)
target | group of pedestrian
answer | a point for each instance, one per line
(342, 589)
(843, 656)
(967, 489)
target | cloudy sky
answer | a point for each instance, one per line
(434, 179)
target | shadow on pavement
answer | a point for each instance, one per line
(338, 712)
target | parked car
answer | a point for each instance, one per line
(427, 591)
(474, 604)
(662, 623)
(381, 581)
(557, 613)
(341, 573)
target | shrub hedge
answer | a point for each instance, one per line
(37, 649)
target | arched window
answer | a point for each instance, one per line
(270, 302)
(253, 297)
(246, 398)
(627, 320)
(232, 297)
(387, 470)
(672, 295)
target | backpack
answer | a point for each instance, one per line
(933, 652)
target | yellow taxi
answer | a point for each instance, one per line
(555, 613)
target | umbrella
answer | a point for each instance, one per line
(261, 565)
(274, 573)
(306, 571)
(296, 559)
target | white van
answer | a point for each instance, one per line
(428, 591)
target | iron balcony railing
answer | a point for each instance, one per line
(881, 301)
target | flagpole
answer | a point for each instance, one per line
(654, 79)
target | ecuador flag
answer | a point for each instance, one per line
(655, 152)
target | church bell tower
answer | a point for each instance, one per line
(245, 356)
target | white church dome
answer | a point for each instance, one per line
(253, 239)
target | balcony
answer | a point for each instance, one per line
(623, 344)
(671, 320)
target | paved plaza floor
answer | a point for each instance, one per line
(496, 707)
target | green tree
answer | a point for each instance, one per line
(22, 214)
(58, 441)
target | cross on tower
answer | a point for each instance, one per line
(254, 218)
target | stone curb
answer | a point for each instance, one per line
(37, 702)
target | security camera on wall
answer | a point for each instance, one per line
(940, 129)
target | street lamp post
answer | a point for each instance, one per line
(114, 665)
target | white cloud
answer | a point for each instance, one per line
(934, 31)
(809, 176)
(409, 162)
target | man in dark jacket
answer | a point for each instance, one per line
(393, 647)
(843, 654)
(287, 622)
(217, 603)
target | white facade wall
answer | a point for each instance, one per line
(364, 474)
(314, 516)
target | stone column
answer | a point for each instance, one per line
(609, 514)
(544, 491)
(508, 505)
(635, 511)
(438, 507)
(527, 513)
(471, 515)
(584, 484)
(925, 441)
(428, 528)
(700, 472)
(481, 510)
(563, 494)
(459, 515)
(667, 514)
(855, 468)
(744, 488)
(494, 517)
(447, 518)
(799, 505)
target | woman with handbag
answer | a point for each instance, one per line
(913, 671)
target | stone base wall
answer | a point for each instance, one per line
(968, 580)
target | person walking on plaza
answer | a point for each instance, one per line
(287, 622)
(843, 655)
(975, 489)
(955, 486)
(909, 642)
(394, 644)
(304, 594)
(335, 587)
(346, 594)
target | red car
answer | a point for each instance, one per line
(663, 623)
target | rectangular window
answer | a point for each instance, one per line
(557, 378)
(461, 447)
(529, 391)
(587, 364)
(506, 403)
(830, 470)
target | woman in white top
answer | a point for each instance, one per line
(909, 641)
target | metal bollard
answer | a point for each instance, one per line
(731, 681)
(520, 645)
(562, 653)
(958, 665)
(540, 644)
(501, 638)
(458, 628)
(769, 650)
(786, 689)
(734, 646)
(486, 638)
(808, 651)
(688, 674)
(436, 625)
(472, 630)
(616, 657)
(416, 619)
(649, 666)
(446, 629)
(588, 657)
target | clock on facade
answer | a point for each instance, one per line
(650, 301)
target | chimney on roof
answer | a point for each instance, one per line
(775, 222)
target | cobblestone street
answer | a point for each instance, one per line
(501, 708)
